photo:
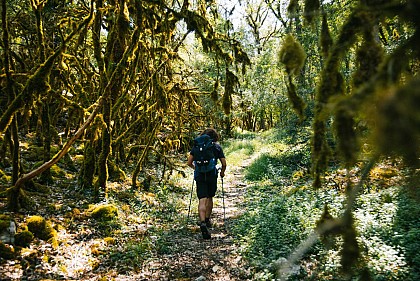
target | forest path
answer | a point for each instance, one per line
(189, 256)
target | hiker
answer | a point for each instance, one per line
(206, 173)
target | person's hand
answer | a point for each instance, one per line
(222, 174)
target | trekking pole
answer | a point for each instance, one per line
(189, 207)
(224, 209)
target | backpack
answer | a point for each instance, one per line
(203, 151)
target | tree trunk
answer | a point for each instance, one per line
(46, 138)
(105, 150)
(88, 169)
(15, 151)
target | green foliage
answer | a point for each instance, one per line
(132, 255)
(368, 243)
(406, 228)
(4, 178)
(275, 223)
(277, 163)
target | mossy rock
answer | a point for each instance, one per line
(4, 178)
(42, 229)
(57, 172)
(4, 222)
(78, 159)
(24, 238)
(104, 212)
(37, 187)
(116, 174)
(33, 153)
(6, 252)
(109, 240)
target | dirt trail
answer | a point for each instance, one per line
(181, 253)
(192, 258)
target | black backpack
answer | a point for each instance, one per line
(203, 151)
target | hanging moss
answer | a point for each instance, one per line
(327, 237)
(320, 153)
(297, 102)
(292, 55)
(350, 251)
(344, 127)
(331, 84)
(311, 10)
(230, 84)
(292, 9)
(240, 56)
(326, 40)
(368, 58)
(214, 95)
(398, 122)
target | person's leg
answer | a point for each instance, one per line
(212, 188)
(202, 208)
(209, 209)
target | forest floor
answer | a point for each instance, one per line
(193, 258)
(83, 253)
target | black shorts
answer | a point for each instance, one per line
(206, 184)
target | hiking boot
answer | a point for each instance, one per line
(205, 231)
(208, 223)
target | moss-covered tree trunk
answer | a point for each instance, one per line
(46, 139)
(38, 84)
(88, 169)
(117, 43)
(15, 151)
(14, 137)
(105, 150)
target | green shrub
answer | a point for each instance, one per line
(407, 223)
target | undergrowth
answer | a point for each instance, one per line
(281, 210)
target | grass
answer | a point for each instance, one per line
(281, 210)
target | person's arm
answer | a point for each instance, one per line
(222, 171)
(190, 161)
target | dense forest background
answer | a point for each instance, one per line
(95, 93)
